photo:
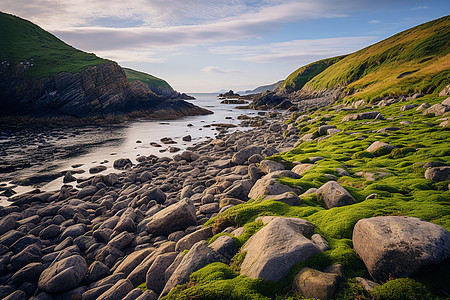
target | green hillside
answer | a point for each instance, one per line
(23, 41)
(301, 76)
(133, 75)
(415, 60)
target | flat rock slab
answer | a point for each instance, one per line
(277, 247)
(396, 247)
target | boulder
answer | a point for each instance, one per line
(269, 166)
(121, 240)
(445, 91)
(118, 291)
(63, 275)
(199, 256)
(177, 216)
(148, 295)
(438, 109)
(438, 173)
(189, 240)
(367, 284)
(277, 247)
(225, 245)
(323, 130)
(393, 247)
(363, 116)
(156, 194)
(288, 198)
(97, 270)
(334, 195)
(268, 186)
(380, 148)
(243, 155)
(132, 261)
(311, 283)
(6, 224)
(122, 163)
(302, 168)
(30, 272)
(154, 279)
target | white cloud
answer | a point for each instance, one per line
(420, 7)
(217, 70)
(303, 50)
(374, 21)
(131, 56)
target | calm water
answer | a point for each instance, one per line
(92, 146)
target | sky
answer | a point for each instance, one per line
(212, 45)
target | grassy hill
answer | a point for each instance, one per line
(23, 41)
(133, 75)
(415, 60)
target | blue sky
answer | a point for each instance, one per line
(209, 45)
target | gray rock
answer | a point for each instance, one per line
(225, 246)
(288, 198)
(302, 168)
(133, 294)
(334, 195)
(10, 237)
(30, 272)
(269, 166)
(396, 247)
(445, 91)
(125, 224)
(177, 216)
(408, 107)
(68, 177)
(16, 295)
(380, 146)
(446, 102)
(63, 275)
(367, 284)
(94, 293)
(311, 283)
(186, 192)
(277, 247)
(438, 173)
(275, 127)
(121, 240)
(157, 195)
(73, 231)
(268, 186)
(97, 270)
(323, 130)
(122, 163)
(7, 223)
(189, 240)
(189, 156)
(363, 116)
(49, 232)
(423, 106)
(154, 279)
(132, 261)
(148, 295)
(87, 191)
(24, 242)
(209, 208)
(243, 155)
(438, 109)
(199, 256)
(30, 254)
(118, 291)
(239, 189)
(320, 242)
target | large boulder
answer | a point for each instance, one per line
(132, 261)
(186, 242)
(118, 291)
(334, 195)
(277, 247)
(393, 246)
(311, 283)
(243, 155)
(269, 166)
(154, 278)
(438, 173)
(177, 216)
(199, 256)
(63, 275)
(268, 186)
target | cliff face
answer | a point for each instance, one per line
(98, 91)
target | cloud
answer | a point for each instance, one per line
(217, 70)
(374, 21)
(420, 7)
(299, 50)
(131, 56)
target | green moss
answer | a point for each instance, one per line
(150, 80)
(402, 289)
(143, 286)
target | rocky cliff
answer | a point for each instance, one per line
(100, 91)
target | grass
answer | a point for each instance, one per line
(420, 55)
(403, 191)
(23, 41)
(150, 80)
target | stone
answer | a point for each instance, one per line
(367, 284)
(323, 130)
(132, 261)
(394, 247)
(133, 294)
(175, 217)
(121, 240)
(408, 107)
(187, 138)
(311, 283)
(288, 198)
(118, 291)
(438, 109)
(125, 224)
(97, 169)
(154, 280)
(95, 292)
(97, 270)
(445, 91)
(268, 186)
(302, 168)
(199, 256)
(320, 242)
(189, 240)
(49, 232)
(423, 106)
(148, 295)
(6, 224)
(87, 191)
(438, 173)
(68, 177)
(446, 102)
(186, 192)
(380, 147)
(145, 176)
(224, 245)
(30, 272)
(24, 242)
(363, 116)
(277, 247)
(239, 189)
(63, 275)
(16, 295)
(334, 195)
(269, 166)
(31, 253)
(122, 163)
(189, 156)
(156, 194)
(209, 208)
(243, 155)
(276, 127)
(73, 231)
(10, 237)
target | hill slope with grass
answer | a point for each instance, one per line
(43, 77)
(415, 60)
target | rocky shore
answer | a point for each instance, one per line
(151, 223)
